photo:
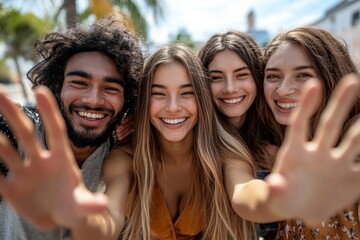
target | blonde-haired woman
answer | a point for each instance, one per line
(178, 147)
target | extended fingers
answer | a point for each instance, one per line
(3, 186)
(337, 110)
(53, 121)
(9, 155)
(299, 123)
(13, 162)
(349, 146)
(21, 126)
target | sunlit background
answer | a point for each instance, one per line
(161, 22)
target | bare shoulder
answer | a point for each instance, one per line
(119, 161)
(122, 149)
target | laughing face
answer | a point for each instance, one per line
(173, 106)
(232, 86)
(286, 72)
(92, 97)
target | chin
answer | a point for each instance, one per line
(283, 121)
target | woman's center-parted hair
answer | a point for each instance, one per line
(256, 130)
(329, 56)
(180, 54)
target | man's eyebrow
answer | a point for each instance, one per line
(86, 75)
(119, 81)
(79, 73)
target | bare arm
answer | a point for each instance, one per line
(249, 197)
(51, 182)
(307, 172)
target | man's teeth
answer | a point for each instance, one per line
(173, 121)
(91, 115)
(233, 100)
(287, 106)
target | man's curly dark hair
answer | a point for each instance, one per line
(107, 36)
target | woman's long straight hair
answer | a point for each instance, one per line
(211, 144)
(256, 130)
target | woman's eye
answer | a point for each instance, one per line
(242, 75)
(188, 93)
(112, 89)
(271, 77)
(304, 75)
(78, 83)
(215, 78)
(157, 94)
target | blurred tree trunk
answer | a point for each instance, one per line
(127, 10)
(72, 16)
(19, 72)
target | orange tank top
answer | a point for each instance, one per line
(188, 226)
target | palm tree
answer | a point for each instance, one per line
(127, 10)
(19, 31)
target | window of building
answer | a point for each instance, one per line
(355, 18)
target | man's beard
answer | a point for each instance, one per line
(87, 137)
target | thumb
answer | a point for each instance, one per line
(277, 183)
(89, 202)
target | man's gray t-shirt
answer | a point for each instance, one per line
(13, 227)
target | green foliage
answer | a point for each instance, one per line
(132, 11)
(19, 31)
(4, 72)
(183, 36)
(131, 8)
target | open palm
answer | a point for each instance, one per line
(313, 179)
(46, 188)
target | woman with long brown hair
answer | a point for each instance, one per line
(292, 59)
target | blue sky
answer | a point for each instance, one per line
(202, 18)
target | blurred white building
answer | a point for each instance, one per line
(343, 20)
(261, 36)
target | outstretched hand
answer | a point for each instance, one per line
(46, 188)
(312, 180)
